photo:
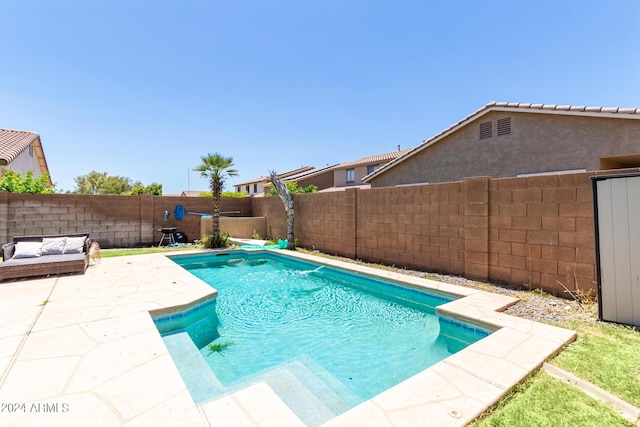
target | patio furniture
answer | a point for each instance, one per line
(29, 256)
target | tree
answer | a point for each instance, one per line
(292, 187)
(230, 194)
(154, 189)
(103, 183)
(216, 168)
(287, 201)
(16, 182)
(90, 183)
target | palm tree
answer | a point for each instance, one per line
(217, 168)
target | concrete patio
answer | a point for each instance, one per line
(83, 350)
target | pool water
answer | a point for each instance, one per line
(276, 317)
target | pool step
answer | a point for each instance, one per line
(201, 382)
(300, 399)
(310, 391)
(333, 392)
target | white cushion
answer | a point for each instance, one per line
(74, 245)
(53, 245)
(27, 250)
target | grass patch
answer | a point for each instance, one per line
(543, 401)
(108, 253)
(607, 355)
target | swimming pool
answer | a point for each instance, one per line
(311, 332)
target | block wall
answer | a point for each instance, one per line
(114, 221)
(541, 232)
(327, 221)
(273, 210)
(417, 226)
(532, 232)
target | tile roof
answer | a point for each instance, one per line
(14, 142)
(517, 107)
(283, 175)
(558, 108)
(377, 158)
(311, 173)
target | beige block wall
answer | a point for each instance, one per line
(532, 232)
(113, 221)
(528, 232)
(273, 210)
(242, 228)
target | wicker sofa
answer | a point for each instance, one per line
(58, 254)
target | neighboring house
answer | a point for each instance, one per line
(321, 178)
(348, 174)
(22, 151)
(351, 174)
(510, 139)
(257, 186)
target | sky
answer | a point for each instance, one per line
(144, 89)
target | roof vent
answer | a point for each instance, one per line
(486, 130)
(504, 126)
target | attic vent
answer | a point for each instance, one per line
(486, 130)
(504, 126)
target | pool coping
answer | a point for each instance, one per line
(95, 343)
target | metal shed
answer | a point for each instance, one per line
(617, 229)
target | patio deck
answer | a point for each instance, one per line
(83, 350)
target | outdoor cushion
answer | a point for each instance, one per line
(53, 245)
(74, 245)
(44, 260)
(27, 250)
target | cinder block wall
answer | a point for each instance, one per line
(242, 228)
(114, 221)
(527, 232)
(542, 231)
(417, 226)
(327, 221)
(533, 232)
(273, 210)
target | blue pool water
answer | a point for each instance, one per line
(284, 321)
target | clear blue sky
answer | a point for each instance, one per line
(143, 89)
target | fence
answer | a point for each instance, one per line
(535, 231)
(114, 221)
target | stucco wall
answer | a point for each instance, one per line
(537, 143)
(24, 162)
(322, 180)
(340, 176)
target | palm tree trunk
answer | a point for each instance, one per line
(287, 201)
(216, 191)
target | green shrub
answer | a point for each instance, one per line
(216, 240)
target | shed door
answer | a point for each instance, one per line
(618, 231)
